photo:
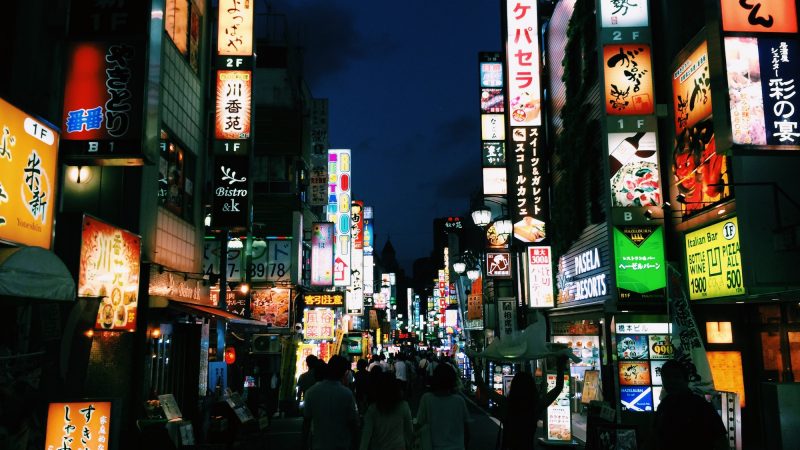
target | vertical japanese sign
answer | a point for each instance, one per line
(78, 424)
(475, 300)
(235, 32)
(338, 212)
(234, 97)
(559, 418)
(318, 182)
(322, 254)
(540, 277)
(759, 16)
(231, 201)
(28, 153)
(492, 112)
(508, 318)
(522, 48)
(529, 184)
(355, 292)
(103, 106)
(628, 74)
(623, 13)
(318, 324)
(109, 268)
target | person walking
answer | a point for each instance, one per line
(525, 407)
(361, 385)
(330, 417)
(685, 420)
(307, 378)
(443, 412)
(401, 372)
(387, 422)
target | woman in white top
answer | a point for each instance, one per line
(386, 417)
(444, 411)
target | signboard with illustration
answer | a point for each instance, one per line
(633, 169)
(498, 264)
(642, 349)
(86, 423)
(271, 306)
(230, 202)
(639, 262)
(714, 261)
(628, 74)
(559, 418)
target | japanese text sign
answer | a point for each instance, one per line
(491, 70)
(559, 419)
(639, 262)
(493, 127)
(271, 306)
(322, 254)
(475, 300)
(234, 94)
(507, 308)
(494, 154)
(762, 76)
(528, 179)
(357, 227)
(323, 299)
(759, 16)
(231, 203)
(318, 324)
(103, 99)
(235, 31)
(498, 264)
(628, 75)
(28, 153)
(623, 13)
(540, 277)
(339, 188)
(522, 48)
(84, 425)
(691, 89)
(109, 268)
(713, 261)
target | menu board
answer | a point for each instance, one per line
(592, 389)
(640, 358)
(726, 369)
(559, 420)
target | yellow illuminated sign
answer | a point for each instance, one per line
(713, 261)
(726, 369)
(323, 299)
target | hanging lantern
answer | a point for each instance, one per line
(230, 355)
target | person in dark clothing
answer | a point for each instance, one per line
(361, 385)
(524, 408)
(685, 420)
(309, 377)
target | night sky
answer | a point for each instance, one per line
(402, 84)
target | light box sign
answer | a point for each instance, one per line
(628, 72)
(28, 154)
(559, 418)
(318, 324)
(761, 86)
(357, 224)
(326, 299)
(339, 188)
(713, 261)
(623, 13)
(540, 277)
(234, 95)
(475, 300)
(759, 16)
(491, 74)
(494, 153)
(522, 48)
(529, 184)
(235, 31)
(691, 89)
(492, 101)
(322, 254)
(493, 127)
(271, 306)
(633, 166)
(494, 181)
(639, 262)
(231, 203)
(84, 423)
(109, 268)
(103, 99)
(498, 264)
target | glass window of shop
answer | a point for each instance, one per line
(780, 342)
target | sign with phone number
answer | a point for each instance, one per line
(713, 261)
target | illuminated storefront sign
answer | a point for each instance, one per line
(498, 264)
(494, 154)
(231, 202)
(109, 268)
(691, 83)
(540, 277)
(492, 101)
(726, 369)
(633, 167)
(234, 95)
(338, 212)
(335, 299)
(559, 418)
(761, 86)
(322, 254)
(522, 48)
(759, 16)
(235, 30)
(582, 276)
(271, 306)
(639, 262)
(713, 261)
(623, 13)
(475, 300)
(28, 153)
(318, 324)
(628, 72)
(87, 423)
(494, 181)
(493, 127)
(491, 70)
(530, 184)
(103, 100)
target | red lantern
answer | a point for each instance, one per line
(230, 355)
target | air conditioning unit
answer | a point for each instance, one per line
(266, 343)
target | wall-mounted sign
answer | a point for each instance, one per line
(623, 13)
(475, 300)
(235, 30)
(540, 277)
(271, 306)
(494, 239)
(28, 153)
(639, 262)
(329, 299)
(109, 268)
(354, 294)
(522, 48)
(234, 94)
(582, 276)
(633, 166)
(492, 101)
(494, 153)
(498, 264)
(713, 261)
(507, 308)
(87, 424)
(726, 368)
(634, 373)
(277, 261)
(691, 89)
(642, 328)
(761, 86)
(759, 16)
(322, 254)
(493, 127)
(491, 70)
(530, 185)
(494, 181)
(231, 202)
(339, 200)
(318, 186)
(628, 72)
(174, 286)
(369, 275)
(318, 324)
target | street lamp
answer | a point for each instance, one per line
(473, 274)
(482, 216)
(459, 267)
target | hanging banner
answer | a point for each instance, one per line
(322, 254)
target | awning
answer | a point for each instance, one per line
(523, 346)
(33, 272)
(216, 312)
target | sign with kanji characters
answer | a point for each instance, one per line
(492, 100)
(234, 96)
(103, 100)
(691, 89)
(28, 155)
(559, 418)
(109, 268)
(271, 306)
(494, 154)
(522, 50)
(529, 182)
(338, 212)
(318, 186)
(759, 16)
(639, 262)
(495, 181)
(230, 202)
(762, 88)
(235, 30)
(493, 127)
(628, 74)
(329, 299)
(318, 324)
(507, 308)
(322, 254)
(540, 277)
(85, 425)
(475, 300)
(498, 264)
(491, 69)
(714, 261)
(623, 13)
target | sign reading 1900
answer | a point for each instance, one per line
(713, 261)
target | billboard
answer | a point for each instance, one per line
(338, 213)
(28, 154)
(540, 277)
(235, 28)
(639, 262)
(233, 103)
(761, 85)
(231, 203)
(522, 48)
(759, 16)
(528, 172)
(109, 268)
(87, 422)
(713, 261)
(628, 73)
(633, 167)
(322, 254)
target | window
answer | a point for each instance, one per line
(183, 22)
(272, 174)
(176, 178)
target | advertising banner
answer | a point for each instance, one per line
(322, 254)
(233, 103)
(636, 398)
(713, 261)
(231, 202)
(318, 324)
(633, 166)
(628, 71)
(86, 422)
(109, 268)
(759, 16)
(498, 264)
(522, 48)
(559, 418)
(529, 184)
(540, 277)
(639, 262)
(761, 86)
(28, 154)
(634, 373)
(339, 203)
(271, 306)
